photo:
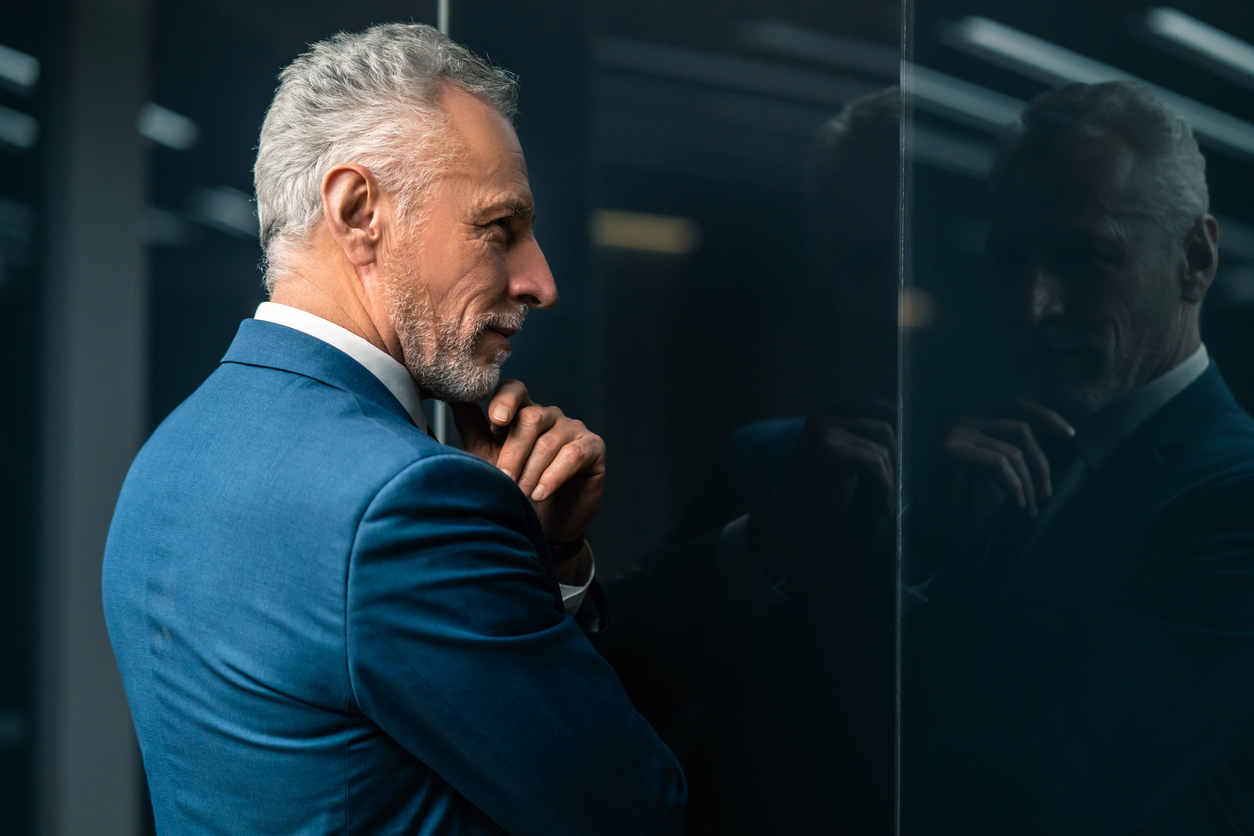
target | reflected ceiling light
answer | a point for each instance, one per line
(749, 75)
(643, 232)
(165, 127)
(1203, 40)
(934, 91)
(17, 129)
(18, 68)
(804, 44)
(225, 209)
(951, 153)
(1053, 64)
(958, 99)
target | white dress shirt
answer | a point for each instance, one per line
(393, 375)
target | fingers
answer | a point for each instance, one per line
(529, 426)
(582, 456)
(872, 462)
(998, 460)
(881, 432)
(510, 397)
(1022, 437)
(1044, 419)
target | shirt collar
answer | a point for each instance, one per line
(1098, 437)
(378, 362)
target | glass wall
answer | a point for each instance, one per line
(1077, 542)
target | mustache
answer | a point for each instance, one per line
(510, 320)
(1057, 341)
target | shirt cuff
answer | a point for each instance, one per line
(573, 595)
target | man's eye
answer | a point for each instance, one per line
(500, 229)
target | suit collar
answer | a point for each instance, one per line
(273, 346)
(1187, 414)
(1100, 435)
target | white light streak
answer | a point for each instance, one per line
(1202, 39)
(18, 68)
(958, 99)
(165, 127)
(225, 209)
(1053, 64)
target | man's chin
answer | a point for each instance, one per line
(466, 386)
(1077, 402)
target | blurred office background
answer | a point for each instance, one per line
(667, 146)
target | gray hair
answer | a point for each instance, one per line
(1175, 166)
(368, 98)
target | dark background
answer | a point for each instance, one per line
(657, 107)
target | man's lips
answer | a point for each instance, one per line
(500, 334)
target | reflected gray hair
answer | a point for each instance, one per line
(1126, 110)
(368, 98)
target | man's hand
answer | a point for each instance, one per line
(995, 460)
(555, 460)
(839, 485)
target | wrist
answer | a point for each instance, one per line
(566, 551)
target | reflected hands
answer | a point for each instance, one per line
(999, 458)
(840, 484)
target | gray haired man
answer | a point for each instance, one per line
(327, 622)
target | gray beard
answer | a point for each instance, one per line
(439, 350)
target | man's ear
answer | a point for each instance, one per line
(351, 207)
(1201, 259)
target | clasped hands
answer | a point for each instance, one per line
(555, 460)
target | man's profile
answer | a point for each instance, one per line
(326, 621)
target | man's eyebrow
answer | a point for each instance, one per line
(514, 207)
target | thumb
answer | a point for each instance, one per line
(476, 432)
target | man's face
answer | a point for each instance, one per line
(459, 285)
(1087, 283)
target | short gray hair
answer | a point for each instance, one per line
(368, 98)
(1128, 111)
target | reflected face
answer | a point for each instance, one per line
(460, 284)
(1087, 283)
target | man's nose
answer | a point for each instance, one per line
(530, 280)
(1046, 295)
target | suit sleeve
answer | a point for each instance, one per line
(459, 649)
(1150, 705)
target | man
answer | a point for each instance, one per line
(1085, 663)
(760, 640)
(325, 621)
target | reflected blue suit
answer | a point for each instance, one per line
(326, 622)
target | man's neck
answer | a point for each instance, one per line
(333, 298)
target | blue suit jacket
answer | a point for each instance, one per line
(326, 622)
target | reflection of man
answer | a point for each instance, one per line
(326, 621)
(1086, 661)
(760, 640)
